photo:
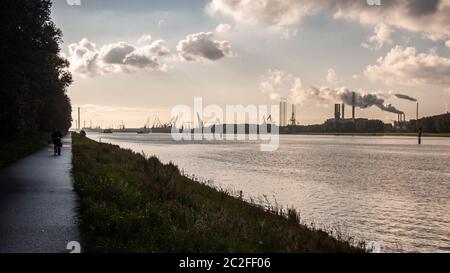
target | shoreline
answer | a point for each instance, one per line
(131, 203)
(373, 134)
(440, 135)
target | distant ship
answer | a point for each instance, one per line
(144, 130)
(107, 131)
(158, 127)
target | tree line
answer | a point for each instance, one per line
(34, 76)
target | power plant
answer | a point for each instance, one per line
(339, 110)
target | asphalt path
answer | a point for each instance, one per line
(38, 204)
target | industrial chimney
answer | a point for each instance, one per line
(353, 105)
(343, 111)
(417, 112)
(337, 111)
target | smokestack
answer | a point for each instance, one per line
(417, 112)
(337, 111)
(353, 105)
(343, 110)
(79, 120)
(283, 111)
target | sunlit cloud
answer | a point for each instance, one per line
(406, 66)
(87, 59)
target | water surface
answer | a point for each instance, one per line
(384, 189)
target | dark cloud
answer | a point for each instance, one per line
(116, 53)
(202, 46)
(422, 7)
(396, 14)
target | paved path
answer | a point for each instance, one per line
(38, 204)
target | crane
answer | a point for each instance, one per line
(200, 121)
(157, 123)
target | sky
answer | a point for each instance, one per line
(137, 59)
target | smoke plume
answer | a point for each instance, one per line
(277, 83)
(345, 95)
(405, 97)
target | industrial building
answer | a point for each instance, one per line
(339, 110)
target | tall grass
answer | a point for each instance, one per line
(130, 203)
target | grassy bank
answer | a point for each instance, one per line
(16, 149)
(129, 203)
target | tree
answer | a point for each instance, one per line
(34, 77)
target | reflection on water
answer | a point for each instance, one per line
(386, 189)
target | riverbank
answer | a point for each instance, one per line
(16, 149)
(130, 203)
(372, 134)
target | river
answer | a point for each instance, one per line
(384, 189)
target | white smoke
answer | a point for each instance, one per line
(362, 100)
(277, 84)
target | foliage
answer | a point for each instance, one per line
(34, 77)
(14, 149)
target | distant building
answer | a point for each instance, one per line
(283, 112)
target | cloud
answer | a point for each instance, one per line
(223, 28)
(406, 66)
(202, 46)
(159, 48)
(276, 84)
(274, 12)
(381, 36)
(87, 60)
(73, 2)
(84, 58)
(431, 18)
(332, 77)
(145, 40)
(115, 53)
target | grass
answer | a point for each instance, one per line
(130, 203)
(16, 149)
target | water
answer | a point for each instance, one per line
(384, 189)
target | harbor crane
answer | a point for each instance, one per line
(199, 120)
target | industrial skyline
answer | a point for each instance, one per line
(152, 55)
